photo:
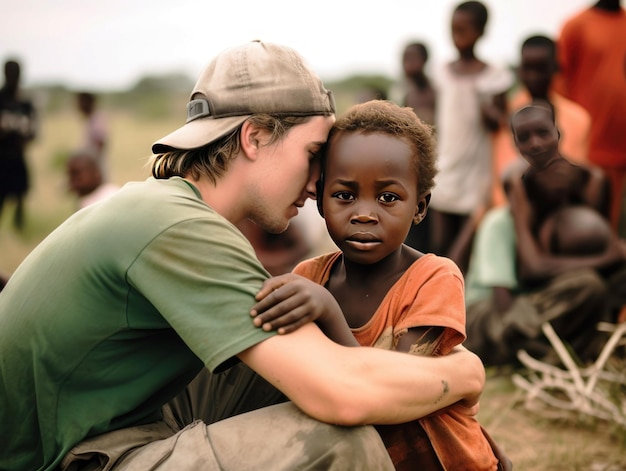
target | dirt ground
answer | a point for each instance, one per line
(536, 443)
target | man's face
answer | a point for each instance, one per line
(287, 172)
(536, 70)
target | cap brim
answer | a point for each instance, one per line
(197, 133)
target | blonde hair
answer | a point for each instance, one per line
(212, 160)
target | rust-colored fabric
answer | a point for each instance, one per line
(429, 293)
(592, 51)
(573, 122)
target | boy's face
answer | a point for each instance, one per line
(413, 61)
(370, 194)
(83, 176)
(536, 136)
(465, 33)
(536, 70)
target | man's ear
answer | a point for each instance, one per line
(421, 208)
(250, 137)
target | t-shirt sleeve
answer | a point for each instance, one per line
(202, 276)
(434, 296)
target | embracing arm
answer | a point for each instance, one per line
(362, 385)
(537, 265)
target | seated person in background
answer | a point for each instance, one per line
(85, 179)
(551, 182)
(531, 264)
(377, 172)
(537, 68)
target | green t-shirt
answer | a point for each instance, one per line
(114, 312)
(493, 260)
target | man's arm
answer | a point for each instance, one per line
(361, 385)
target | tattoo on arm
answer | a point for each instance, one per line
(445, 389)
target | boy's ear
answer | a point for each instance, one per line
(250, 139)
(421, 208)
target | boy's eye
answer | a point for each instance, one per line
(388, 198)
(343, 195)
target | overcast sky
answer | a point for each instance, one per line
(109, 44)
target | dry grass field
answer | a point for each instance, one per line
(533, 443)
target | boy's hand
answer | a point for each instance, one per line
(289, 301)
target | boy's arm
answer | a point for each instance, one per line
(535, 265)
(597, 192)
(423, 341)
(353, 386)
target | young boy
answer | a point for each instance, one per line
(85, 179)
(559, 192)
(546, 257)
(376, 180)
(420, 94)
(537, 69)
(470, 106)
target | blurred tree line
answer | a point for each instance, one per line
(156, 97)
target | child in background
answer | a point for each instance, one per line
(376, 179)
(547, 256)
(537, 69)
(420, 95)
(471, 105)
(85, 179)
(554, 186)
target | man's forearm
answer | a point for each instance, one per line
(361, 385)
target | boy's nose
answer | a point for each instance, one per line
(536, 142)
(364, 214)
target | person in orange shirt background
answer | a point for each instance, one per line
(592, 59)
(537, 69)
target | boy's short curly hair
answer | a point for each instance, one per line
(380, 116)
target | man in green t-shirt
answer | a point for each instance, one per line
(119, 308)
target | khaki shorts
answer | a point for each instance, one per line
(278, 437)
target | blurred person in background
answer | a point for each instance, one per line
(419, 95)
(592, 60)
(17, 128)
(537, 68)
(95, 137)
(471, 103)
(85, 179)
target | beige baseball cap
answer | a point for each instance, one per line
(257, 77)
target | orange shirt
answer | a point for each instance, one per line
(573, 122)
(592, 57)
(429, 293)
